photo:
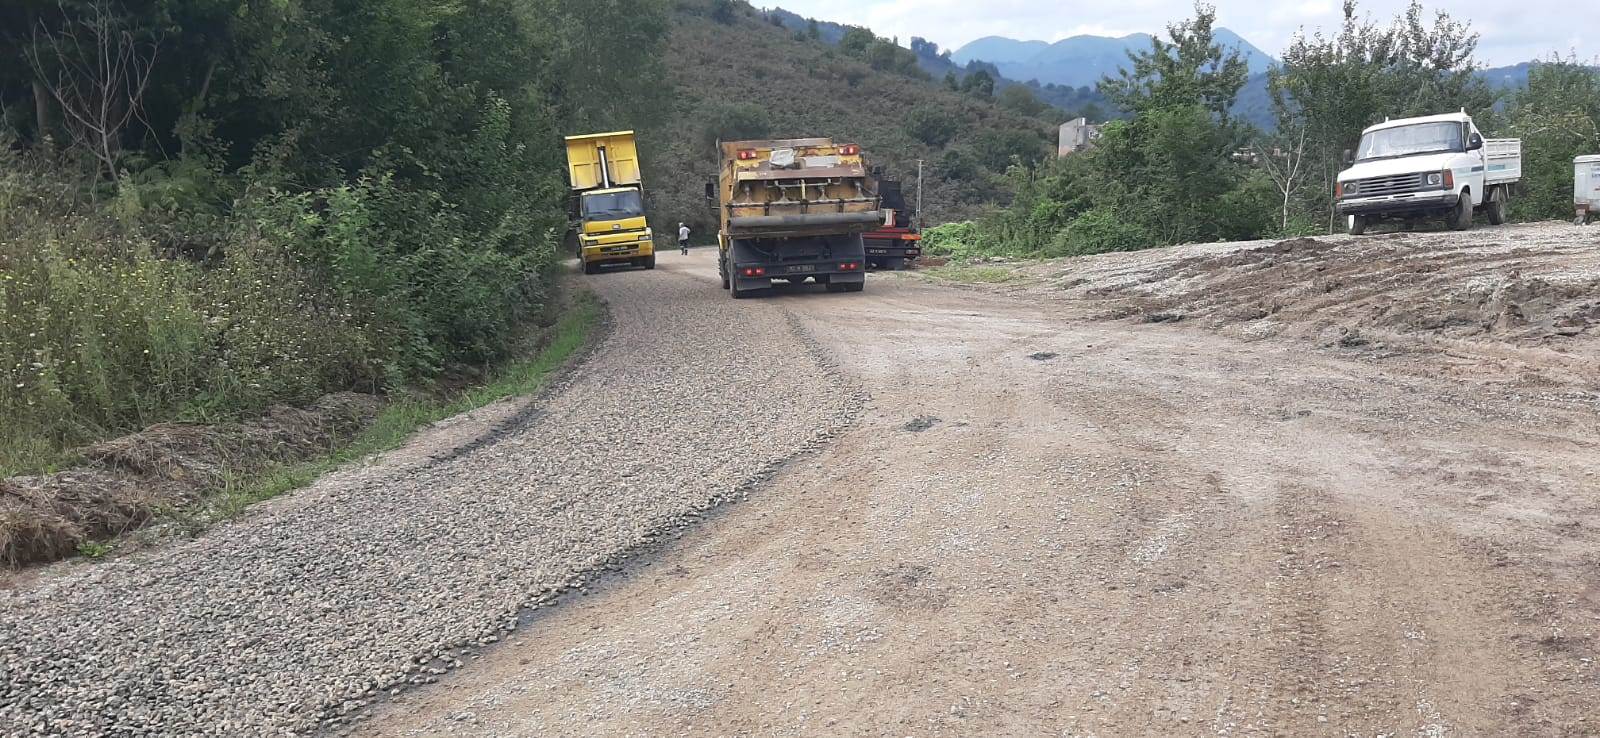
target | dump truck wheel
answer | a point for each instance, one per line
(650, 261)
(590, 267)
(1461, 217)
(1497, 206)
(1357, 225)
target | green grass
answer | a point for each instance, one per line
(402, 417)
(970, 274)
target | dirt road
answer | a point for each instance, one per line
(1108, 499)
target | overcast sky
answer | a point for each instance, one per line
(1511, 31)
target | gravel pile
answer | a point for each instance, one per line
(298, 615)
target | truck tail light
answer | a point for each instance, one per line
(754, 271)
(747, 154)
(849, 266)
(849, 150)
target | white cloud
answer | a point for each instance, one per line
(1511, 32)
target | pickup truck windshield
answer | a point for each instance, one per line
(612, 206)
(1421, 138)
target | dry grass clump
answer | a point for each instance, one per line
(128, 480)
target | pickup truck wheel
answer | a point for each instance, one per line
(1357, 225)
(1461, 217)
(1497, 206)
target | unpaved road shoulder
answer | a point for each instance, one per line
(1053, 522)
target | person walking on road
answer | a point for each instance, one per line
(683, 238)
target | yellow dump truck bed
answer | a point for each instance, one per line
(616, 151)
(795, 187)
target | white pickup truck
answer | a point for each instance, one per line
(1438, 165)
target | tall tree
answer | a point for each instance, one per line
(1189, 67)
(1558, 117)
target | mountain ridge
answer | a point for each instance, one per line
(1084, 59)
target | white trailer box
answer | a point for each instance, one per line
(1586, 186)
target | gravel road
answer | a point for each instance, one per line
(396, 571)
(1051, 520)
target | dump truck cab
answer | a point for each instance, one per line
(793, 210)
(608, 207)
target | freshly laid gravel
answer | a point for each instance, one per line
(301, 612)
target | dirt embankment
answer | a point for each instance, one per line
(126, 481)
(1524, 301)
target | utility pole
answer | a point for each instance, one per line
(919, 195)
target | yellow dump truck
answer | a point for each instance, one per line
(608, 209)
(793, 210)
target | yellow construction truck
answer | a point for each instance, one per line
(793, 210)
(608, 205)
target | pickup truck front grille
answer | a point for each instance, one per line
(1398, 184)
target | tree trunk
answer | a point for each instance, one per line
(41, 110)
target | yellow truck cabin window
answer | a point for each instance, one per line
(612, 205)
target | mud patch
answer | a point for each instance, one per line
(127, 480)
(919, 424)
(907, 586)
(1043, 355)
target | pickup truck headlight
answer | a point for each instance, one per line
(1435, 179)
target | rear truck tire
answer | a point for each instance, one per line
(1356, 225)
(1496, 209)
(1460, 217)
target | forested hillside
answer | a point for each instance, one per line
(735, 73)
(208, 206)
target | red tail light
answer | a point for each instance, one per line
(849, 266)
(754, 271)
(849, 150)
(747, 154)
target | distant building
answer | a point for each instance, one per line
(1076, 135)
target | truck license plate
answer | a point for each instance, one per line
(801, 268)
